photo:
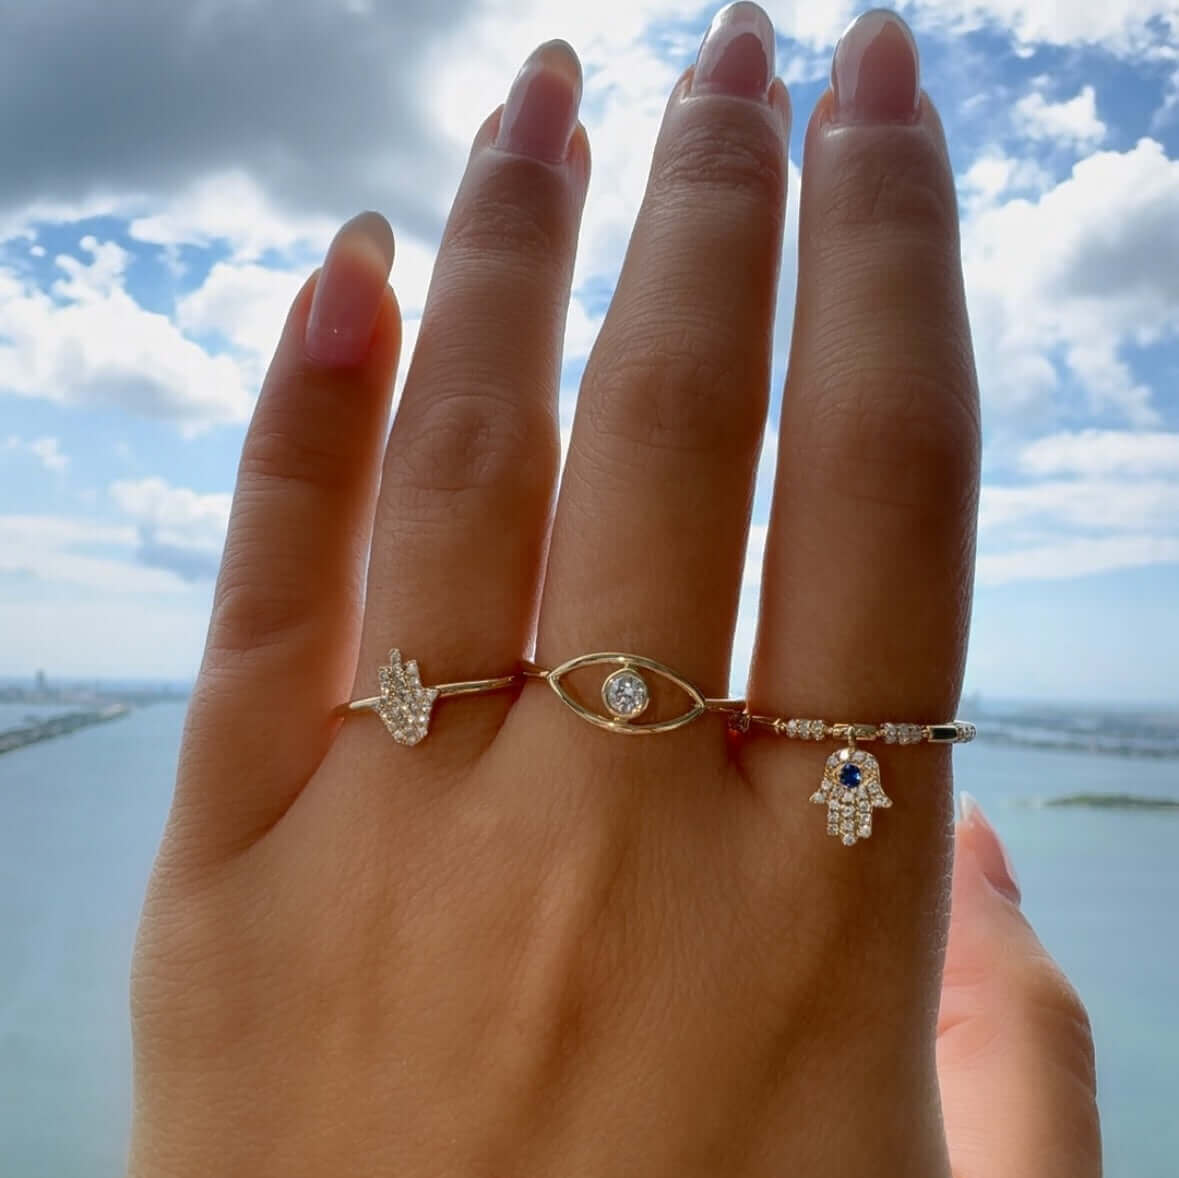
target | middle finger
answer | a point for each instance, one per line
(649, 537)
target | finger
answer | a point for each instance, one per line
(1015, 1051)
(285, 624)
(471, 461)
(867, 573)
(650, 529)
(869, 557)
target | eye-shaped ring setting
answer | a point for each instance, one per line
(626, 694)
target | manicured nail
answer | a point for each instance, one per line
(875, 77)
(992, 855)
(737, 54)
(348, 292)
(540, 114)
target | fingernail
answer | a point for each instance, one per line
(348, 292)
(992, 855)
(875, 77)
(540, 113)
(737, 54)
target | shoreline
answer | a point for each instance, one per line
(19, 738)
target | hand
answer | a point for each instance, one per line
(527, 946)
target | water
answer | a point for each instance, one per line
(80, 818)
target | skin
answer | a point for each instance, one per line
(529, 947)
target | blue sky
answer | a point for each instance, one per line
(161, 203)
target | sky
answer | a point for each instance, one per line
(173, 171)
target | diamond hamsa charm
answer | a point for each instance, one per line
(405, 705)
(851, 790)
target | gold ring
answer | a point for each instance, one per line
(851, 787)
(626, 694)
(405, 705)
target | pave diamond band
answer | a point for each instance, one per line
(851, 786)
(955, 732)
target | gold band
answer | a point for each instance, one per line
(470, 687)
(851, 788)
(405, 705)
(951, 732)
(626, 694)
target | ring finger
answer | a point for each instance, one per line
(869, 557)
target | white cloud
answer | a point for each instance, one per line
(244, 305)
(260, 158)
(1073, 123)
(1104, 500)
(1092, 504)
(1076, 557)
(755, 555)
(88, 342)
(21, 221)
(75, 551)
(996, 174)
(172, 536)
(1095, 452)
(45, 450)
(232, 208)
(1081, 271)
(1122, 27)
(1061, 281)
(581, 329)
(803, 68)
(179, 530)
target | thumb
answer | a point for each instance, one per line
(1015, 1051)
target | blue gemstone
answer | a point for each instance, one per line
(850, 776)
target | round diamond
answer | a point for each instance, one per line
(850, 776)
(625, 694)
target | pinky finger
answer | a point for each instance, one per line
(282, 641)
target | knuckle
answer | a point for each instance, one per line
(509, 218)
(292, 453)
(914, 442)
(720, 159)
(249, 619)
(1046, 988)
(899, 183)
(1050, 1000)
(674, 389)
(474, 448)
